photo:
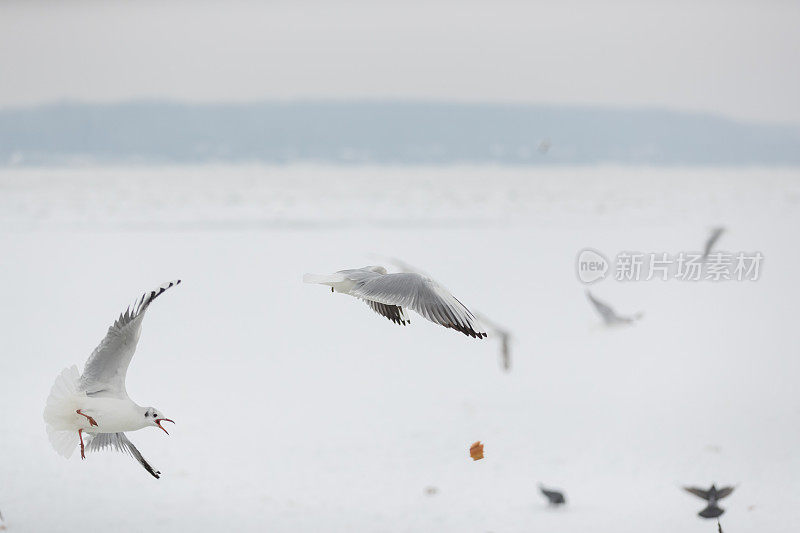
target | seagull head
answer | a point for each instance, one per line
(154, 417)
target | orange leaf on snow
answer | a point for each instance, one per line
(476, 451)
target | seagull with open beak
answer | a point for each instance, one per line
(95, 404)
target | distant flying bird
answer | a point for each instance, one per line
(712, 496)
(389, 294)
(505, 340)
(609, 316)
(544, 146)
(716, 233)
(97, 402)
(554, 497)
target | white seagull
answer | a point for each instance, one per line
(96, 402)
(389, 294)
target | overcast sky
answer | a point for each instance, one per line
(740, 59)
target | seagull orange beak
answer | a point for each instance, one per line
(159, 420)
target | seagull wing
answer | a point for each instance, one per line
(119, 442)
(392, 312)
(712, 240)
(605, 311)
(105, 370)
(505, 351)
(422, 295)
(503, 334)
(698, 492)
(723, 492)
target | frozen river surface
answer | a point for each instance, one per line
(298, 410)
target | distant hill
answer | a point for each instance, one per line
(385, 133)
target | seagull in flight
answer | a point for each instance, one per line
(609, 316)
(96, 402)
(390, 294)
(712, 496)
(495, 330)
(716, 233)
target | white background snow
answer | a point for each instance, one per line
(299, 410)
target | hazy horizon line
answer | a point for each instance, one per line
(407, 131)
(157, 100)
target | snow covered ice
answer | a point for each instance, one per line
(299, 410)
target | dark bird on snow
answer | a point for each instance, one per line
(554, 497)
(712, 496)
(609, 316)
(716, 233)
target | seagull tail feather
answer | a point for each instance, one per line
(711, 511)
(59, 412)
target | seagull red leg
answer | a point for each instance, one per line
(80, 436)
(91, 420)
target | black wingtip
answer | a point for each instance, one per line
(161, 290)
(469, 332)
